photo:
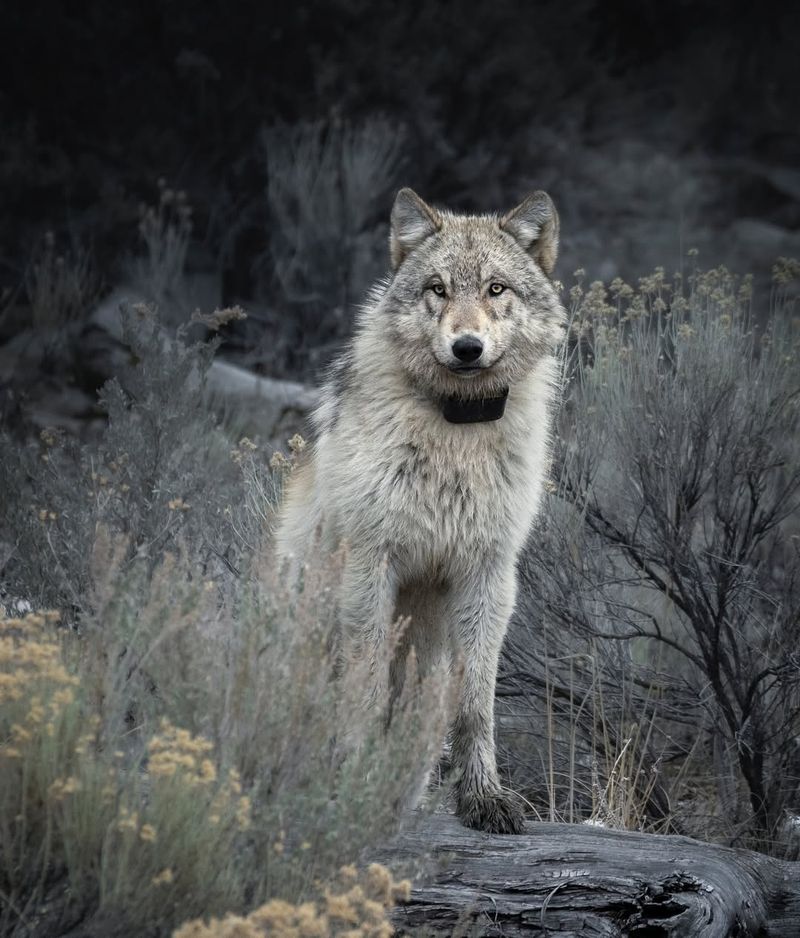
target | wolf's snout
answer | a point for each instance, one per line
(468, 348)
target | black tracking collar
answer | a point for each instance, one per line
(480, 410)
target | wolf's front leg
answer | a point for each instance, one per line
(369, 596)
(482, 609)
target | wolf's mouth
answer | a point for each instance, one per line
(467, 370)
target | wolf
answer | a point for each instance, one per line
(430, 452)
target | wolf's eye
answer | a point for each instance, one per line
(496, 288)
(438, 289)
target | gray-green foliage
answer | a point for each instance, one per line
(61, 287)
(159, 473)
(666, 574)
(153, 543)
(328, 185)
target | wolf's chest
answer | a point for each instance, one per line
(435, 492)
(440, 493)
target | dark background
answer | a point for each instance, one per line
(655, 126)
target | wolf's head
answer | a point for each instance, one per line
(471, 308)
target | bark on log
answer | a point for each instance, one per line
(577, 880)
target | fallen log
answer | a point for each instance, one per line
(580, 880)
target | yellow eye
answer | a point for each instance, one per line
(496, 288)
(438, 289)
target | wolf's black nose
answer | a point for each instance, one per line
(468, 348)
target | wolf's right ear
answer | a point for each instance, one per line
(412, 222)
(534, 225)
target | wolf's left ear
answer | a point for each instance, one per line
(412, 222)
(534, 225)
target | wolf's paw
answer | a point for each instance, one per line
(498, 812)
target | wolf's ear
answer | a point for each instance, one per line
(534, 225)
(412, 222)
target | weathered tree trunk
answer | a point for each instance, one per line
(577, 880)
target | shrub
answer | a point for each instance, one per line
(356, 909)
(61, 286)
(184, 742)
(328, 186)
(160, 471)
(186, 755)
(667, 552)
(165, 230)
(80, 819)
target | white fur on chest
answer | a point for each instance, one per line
(433, 493)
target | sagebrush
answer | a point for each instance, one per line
(664, 584)
(178, 740)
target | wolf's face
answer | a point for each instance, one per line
(471, 308)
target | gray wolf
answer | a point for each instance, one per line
(430, 454)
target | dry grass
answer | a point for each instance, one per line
(165, 230)
(61, 286)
